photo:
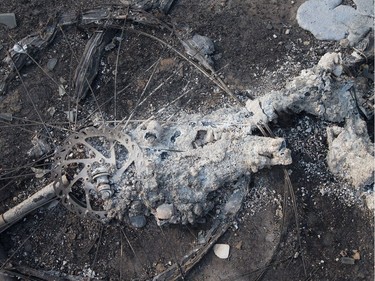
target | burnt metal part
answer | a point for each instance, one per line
(28, 48)
(104, 15)
(90, 166)
(104, 19)
(39, 199)
(27, 273)
(88, 66)
(25, 51)
(162, 5)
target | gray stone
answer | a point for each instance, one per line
(138, 221)
(234, 202)
(9, 19)
(51, 64)
(200, 48)
(203, 44)
(347, 260)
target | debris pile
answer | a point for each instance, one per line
(315, 91)
(325, 92)
(168, 170)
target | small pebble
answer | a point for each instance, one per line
(347, 260)
(222, 250)
(287, 31)
(239, 245)
(138, 221)
(51, 64)
(164, 211)
(356, 255)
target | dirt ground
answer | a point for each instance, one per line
(258, 47)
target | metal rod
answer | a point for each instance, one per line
(42, 197)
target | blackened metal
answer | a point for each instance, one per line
(88, 67)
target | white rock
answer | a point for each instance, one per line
(222, 250)
(164, 211)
